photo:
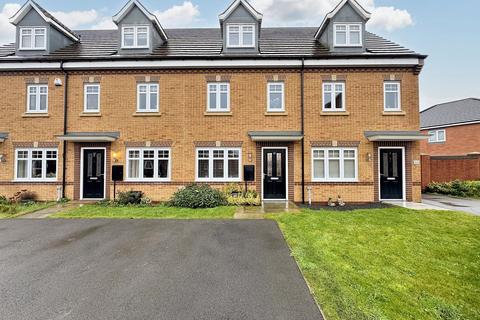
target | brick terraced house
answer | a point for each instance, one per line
(317, 111)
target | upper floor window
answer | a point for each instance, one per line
(148, 164)
(135, 37)
(147, 97)
(333, 96)
(241, 35)
(37, 98)
(437, 136)
(33, 38)
(348, 35)
(218, 164)
(92, 98)
(218, 97)
(36, 164)
(334, 164)
(392, 96)
(276, 96)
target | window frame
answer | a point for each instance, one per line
(341, 167)
(240, 35)
(29, 164)
(218, 97)
(434, 133)
(135, 36)
(148, 97)
(332, 96)
(399, 96)
(225, 167)
(155, 161)
(32, 40)
(348, 31)
(272, 83)
(38, 95)
(85, 96)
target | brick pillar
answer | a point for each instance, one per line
(426, 170)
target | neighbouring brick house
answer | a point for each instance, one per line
(320, 112)
(453, 128)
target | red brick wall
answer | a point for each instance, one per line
(461, 140)
(449, 168)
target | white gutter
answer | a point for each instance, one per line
(451, 125)
(209, 63)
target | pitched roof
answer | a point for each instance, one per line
(224, 15)
(30, 4)
(129, 5)
(355, 5)
(451, 113)
(207, 42)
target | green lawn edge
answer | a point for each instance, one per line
(28, 209)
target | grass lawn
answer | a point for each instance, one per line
(389, 263)
(24, 209)
(154, 212)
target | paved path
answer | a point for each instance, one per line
(45, 213)
(149, 269)
(458, 204)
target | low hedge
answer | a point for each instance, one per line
(198, 196)
(456, 188)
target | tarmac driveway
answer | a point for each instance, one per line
(457, 204)
(149, 269)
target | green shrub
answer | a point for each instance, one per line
(4, 200)
(198, 196)
(250, 198)
(456, 188)
(8, 209)
(129, 198)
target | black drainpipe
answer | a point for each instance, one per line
(302, 108)
(65, 109)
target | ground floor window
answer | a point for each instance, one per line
(334, 164)
(218, 164)
(148, 164)
(36, 164)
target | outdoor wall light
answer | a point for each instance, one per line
(115, 157)
(369, 157)
(2, 158)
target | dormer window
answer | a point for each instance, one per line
(348, 35)
(241, 35)
(33, 39)
(135, 37)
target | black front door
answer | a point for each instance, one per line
(93, 174)
(274, 174)
(391, 174)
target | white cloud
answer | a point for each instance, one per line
(390, 18)
(312, 12)
(178, 16)
(104, 24)
(76, 19)
(7, 31)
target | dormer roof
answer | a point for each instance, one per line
(129, 6)
(32, 5)
(224, 15)
(355, 5)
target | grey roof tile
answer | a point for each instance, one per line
(207, 42)
(450, 113)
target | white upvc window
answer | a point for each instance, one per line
(36, 164)
(435, 136)
(218, 97)
(347, 34)
(147, 97)
(276, 97)
(33, 38)
(333, 96)
(218, 164)
(335, 164)
(135, 37)
(392, 96)
(37, 98)
(148, 164)
(91, 98)
(240, 35)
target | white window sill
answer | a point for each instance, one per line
(276, 113)
(34, 180)
(135, 47)
(387, 112)
(334, 113)
(348, 45)
(219, 180)
(148, 180)
(35, 115)
(335, 180)
(32, 49)
(241, 47)
(217, 113)
(90, 114)
(147, 114)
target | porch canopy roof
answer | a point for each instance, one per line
(395, 136)
(275, 135)
(3, 136)
(90, 136)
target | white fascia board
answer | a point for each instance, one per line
(213, 63)
(397, 138)
(31, 5)
(276, 138)
(87, 139)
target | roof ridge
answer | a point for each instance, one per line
(448, 102)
